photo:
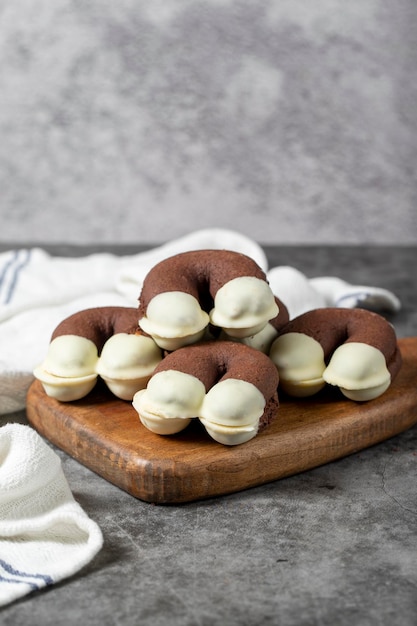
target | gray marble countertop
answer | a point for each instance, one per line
(335, 545)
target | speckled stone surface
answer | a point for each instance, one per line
(332, 546)
(290, 120)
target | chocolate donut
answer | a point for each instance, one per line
(185, 293)
(229, 386)
(99, 324)
(353, 349)
(103, 341)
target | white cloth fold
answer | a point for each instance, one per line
(38, 290)
(45, 536)
(301, 294)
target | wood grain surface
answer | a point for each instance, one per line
(105, 434)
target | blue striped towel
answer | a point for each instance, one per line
(45, 536)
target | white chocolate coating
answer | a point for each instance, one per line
(126, 363)
(68, 372)
(65, 389)
(174, 319)
(128, 356)
(261, 341)
(162, 426)
(300, 363)
(233, 402)
(230, 411)
(359, 370)
(70, 369)
(243, 306)
(169, 402)
(71, 356)
(230, 435)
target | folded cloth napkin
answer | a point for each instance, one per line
(45, 536)
(37, 291)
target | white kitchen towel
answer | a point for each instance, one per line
(45, 535)
(38, 290)
(302, 294)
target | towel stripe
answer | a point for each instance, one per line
(35, 581)
(357, 295)
(11, 259)
(10, 274)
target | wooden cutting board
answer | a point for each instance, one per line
(105, 434)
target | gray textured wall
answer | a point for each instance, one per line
(138, 121)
